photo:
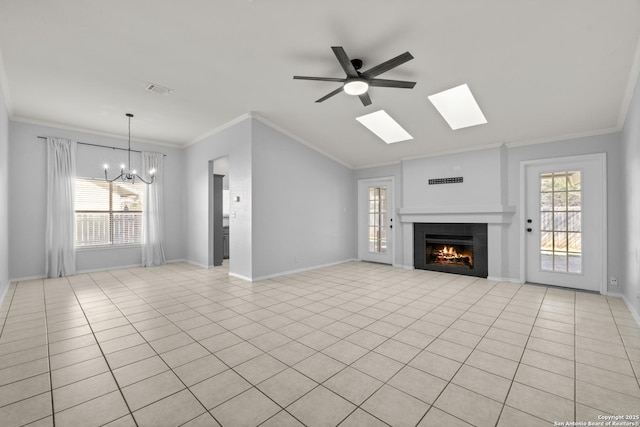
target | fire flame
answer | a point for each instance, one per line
(448, 252)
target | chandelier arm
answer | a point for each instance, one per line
(146, 182)
(106, 178)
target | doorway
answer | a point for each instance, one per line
(564, 217)
(219, 225)
(375, 220)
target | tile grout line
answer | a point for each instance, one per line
(623, 343)
(172, 369)
(528, 338)
(46, 334)
(423, 349)
(101, 352)
(156, 355)
(575, 359)
(312, 298)
(463, 362)
(10, 303)
(524, 348)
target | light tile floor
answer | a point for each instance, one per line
(355, 344)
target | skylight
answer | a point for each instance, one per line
(384, 127)
(458, 107)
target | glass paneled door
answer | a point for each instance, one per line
(375, 220)
(564, 228)
(378, 220)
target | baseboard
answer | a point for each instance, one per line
(504, 279)
(300, 270)
(406, 267)
(98, 270)
(4, 292)
(24, 279)
(94, 270)
(632, 309)
(173, 261)
(239, 276)
(194, 263)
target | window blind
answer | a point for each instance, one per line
(108, 213)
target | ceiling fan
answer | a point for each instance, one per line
(357, 83)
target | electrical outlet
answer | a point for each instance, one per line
(613, 281)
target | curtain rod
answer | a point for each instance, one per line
(103, 146)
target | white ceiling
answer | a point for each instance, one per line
(540, 69)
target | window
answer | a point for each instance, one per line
(108, 213)
(378, 220)
(561, 222)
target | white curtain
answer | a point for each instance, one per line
(152, 212)
(60, 238)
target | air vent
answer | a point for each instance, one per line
(456, 180)
(152, 87)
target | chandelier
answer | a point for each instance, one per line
(128, 174)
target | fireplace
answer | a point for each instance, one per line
(451, 248)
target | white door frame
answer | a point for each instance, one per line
(362, 233)
(598, 157)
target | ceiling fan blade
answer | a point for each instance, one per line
(391, 83)
(366, 100)
(344, 61)
(322, 79)
(387, 65)
(330, 94)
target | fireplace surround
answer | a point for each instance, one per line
(459, 248)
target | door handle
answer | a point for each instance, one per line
(529, 230)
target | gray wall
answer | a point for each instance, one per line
(4, 199)
(234, 142)
(303, 206)
(27, 211)
(609, 144)
(631, 206)
(318, 229)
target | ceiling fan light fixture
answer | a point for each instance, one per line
(356, 87)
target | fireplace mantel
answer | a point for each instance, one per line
(490, 214)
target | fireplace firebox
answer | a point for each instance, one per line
(451, 248)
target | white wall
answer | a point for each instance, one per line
(4, 199)
(234, 142)
(482, 185)
(631, 197)
(492, 177)
(303, 206)
(27, 210)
